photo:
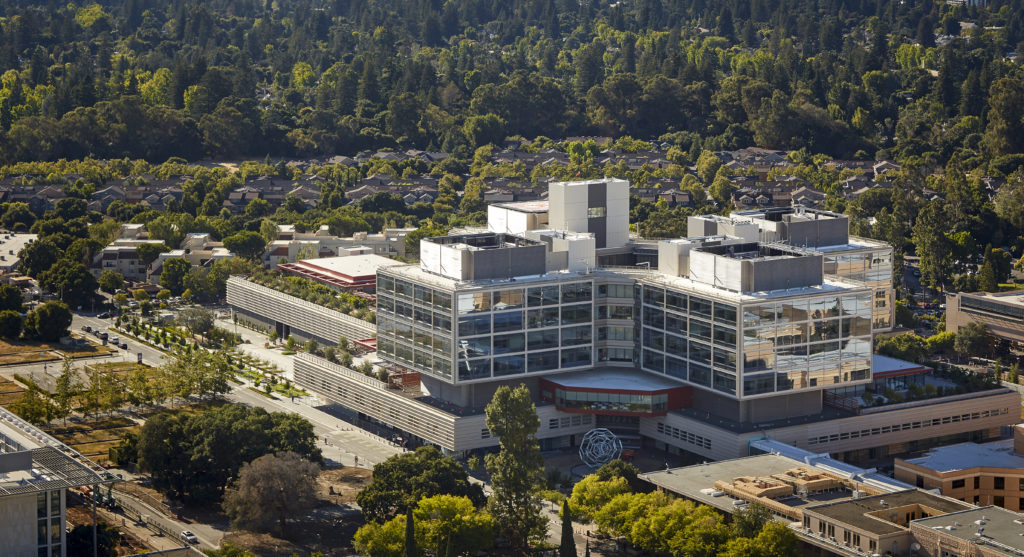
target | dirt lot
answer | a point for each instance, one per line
(23, 352)
(93, 438)
(347, 482)
(10, 392)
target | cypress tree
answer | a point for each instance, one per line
(568, 546)
(410, 536)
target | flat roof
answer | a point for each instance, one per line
(614, 379)
(855, 512)
(884, 366)
(950, 458)
(697, 482)
(350, 266)
(1001, 527)
(539, 206)
(1015, 297)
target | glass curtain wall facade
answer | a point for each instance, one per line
(874, 268)
(480, 334)
(745, 349)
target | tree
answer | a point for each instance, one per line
(11, 298)
(38, 257)
(110, 281)
(972, 339)
(197, 320)
(403, 479)
(517, 469)
(708, 164)
(172, 274)
(484, 130)
(748, 522)
(10, 324)
(591, 493)
(71, 280)
(48, 322)
(773, 540)
(65, 390)
(228, 549)
(33, 406)
(271, 489)
(107, 539)
(17, 217)
(410, 536)
(149, 251)
(568, 546)
(193, 456)
(140, 295)
(247, 244)
(439, 525)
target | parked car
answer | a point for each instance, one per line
(104, 315)
(124, 346)
(87, 328)
(189, 537)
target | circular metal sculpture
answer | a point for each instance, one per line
(599, 447)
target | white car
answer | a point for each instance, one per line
(189, 537)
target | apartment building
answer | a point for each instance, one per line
(726, 339)
(292, 245)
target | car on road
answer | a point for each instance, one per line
(189, 537)
(87, 328)
(104, 315)
(124, 346)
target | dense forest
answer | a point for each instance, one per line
(248, 78)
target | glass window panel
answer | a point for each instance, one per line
(423, 295)
(403, 288)
(423, 359)
(654, 339)
(675, 323)
(620, 312)
(474, 347)
(757, 360)
(55, 530)
(542, 317)
(542, 296)
(654, 295)
(508, 299)
(725, 313)
(54, 503)
(700, 353)
(725, 358)
(385, 304)
(700, 374)
(508, 321)
(515, 342)
(580, 313)
(470, 302)
(509, 365)
(725, 336)
(654, 317)
(675, 301)
(654, 361)
(403, 309)
(422, 315)
(442, 300)
(442, 321)
(572, 336)
(542, 361)
(40, 505)
(825, 330)
(856, 326)
(675, 367)
(700, 329)
(385, 283)
(576, 292)
(725, 382)
(540, 340)
(824, 308)
(792, 311)
(700, 306)
(474, 369)
(474, 325)
(614, 333)
(792, 333)
(575, 357)
(675, 345)
(758, 384)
